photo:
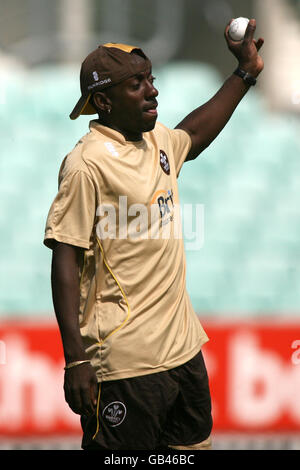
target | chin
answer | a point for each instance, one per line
(149, 126)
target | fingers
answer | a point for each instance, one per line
(73, 398)
(94, 393)
(81, 390)
(81, 402)
(88, 405)
(259, 43)
(249, 34)
(227, 29)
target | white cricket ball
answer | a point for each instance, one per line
(238, 28)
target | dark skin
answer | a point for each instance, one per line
(80, 384)
(130, 108)
(206, 122)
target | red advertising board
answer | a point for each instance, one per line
(254, 370)
(31, 381)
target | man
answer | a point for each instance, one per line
(132, 342)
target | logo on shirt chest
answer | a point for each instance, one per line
(164, 162)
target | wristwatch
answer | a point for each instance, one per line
(247, 77)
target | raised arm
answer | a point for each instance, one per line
(80, 381)
(206, 122)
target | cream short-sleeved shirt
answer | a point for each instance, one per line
(118, 201)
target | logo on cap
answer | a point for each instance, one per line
(96, 76)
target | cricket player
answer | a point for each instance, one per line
(132, 342)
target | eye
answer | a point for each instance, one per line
(136, 85)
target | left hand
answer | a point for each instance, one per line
(246, 51)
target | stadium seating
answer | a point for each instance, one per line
(248, 181)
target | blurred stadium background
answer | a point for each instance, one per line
(245, 280)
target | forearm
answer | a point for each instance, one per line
(66, 300)
(206, 122)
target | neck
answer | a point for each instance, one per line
(128, 135)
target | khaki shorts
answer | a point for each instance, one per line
(152, 411)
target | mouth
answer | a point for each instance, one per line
(151, 109)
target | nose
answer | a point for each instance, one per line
(152, 92)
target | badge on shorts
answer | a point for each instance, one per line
(164, 162)
(114, 413)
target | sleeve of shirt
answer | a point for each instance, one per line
(181, 143)
(72, 213)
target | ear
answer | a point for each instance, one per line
(101, 102)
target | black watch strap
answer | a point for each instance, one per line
(247, 77)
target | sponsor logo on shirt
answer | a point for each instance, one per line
(164, 199)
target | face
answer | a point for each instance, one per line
(133, 105)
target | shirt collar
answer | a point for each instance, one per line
(112, 134)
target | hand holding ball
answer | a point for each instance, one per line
(238, 28)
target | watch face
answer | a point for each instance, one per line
(249, 79)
